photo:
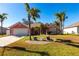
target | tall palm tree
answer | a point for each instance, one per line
(3, 16)
(61, 17)
(32, 13)
(46, 29)
(57, 24)
(41, 28)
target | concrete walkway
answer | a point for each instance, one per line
(4, 41)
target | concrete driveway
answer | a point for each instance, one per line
(4, 41)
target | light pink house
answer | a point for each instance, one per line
(18, 29)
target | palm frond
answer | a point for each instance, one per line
(37, 15)
(34, 13)
(27, 6)
(37, 10)
(34, 18)
(57, 15)
(3, 16)
(57, 23)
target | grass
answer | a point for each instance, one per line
(38, 36)
(2, 36)
(51, 49)
(74, 38)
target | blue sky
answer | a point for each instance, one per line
(16, 11)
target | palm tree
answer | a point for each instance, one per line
(61, 17)
(46, 29)
(41, 28)
(3, 16)
(57, 24)
(37, 30)
(32, 13)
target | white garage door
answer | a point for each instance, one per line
(20, 31)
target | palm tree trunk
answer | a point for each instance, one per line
(60, 27)
(29, 27)
(1, 28)
(40, 30)
(46, 31)
(63, 26)
(56, 31)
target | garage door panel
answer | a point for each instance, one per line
(20, 31)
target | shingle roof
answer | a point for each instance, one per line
(73, 25)
(32, 25)
(18, 25)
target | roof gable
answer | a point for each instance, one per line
(18, 25)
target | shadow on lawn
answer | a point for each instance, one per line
(73, 45)
(68, 42)
(24, 49)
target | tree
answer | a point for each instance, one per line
(46, 29)
(32, 13)
(57, 25)
(61, 17)
(43, 29)
(36, 30)
(3, 16)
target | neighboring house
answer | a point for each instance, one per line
(72, 29)
(3, 30)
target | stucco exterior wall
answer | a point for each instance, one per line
(4, 30)
(78, 30)
(73, 30)
(7, 32)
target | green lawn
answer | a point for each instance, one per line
(51, 49)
